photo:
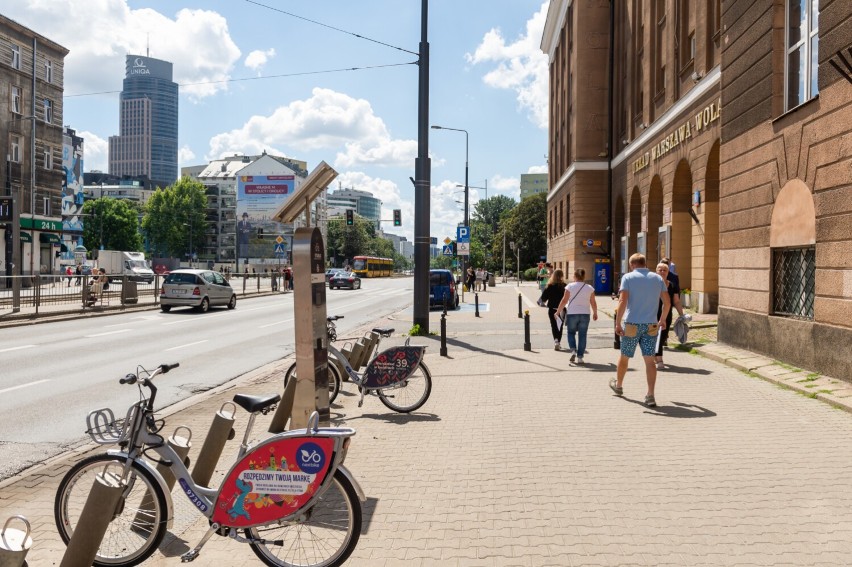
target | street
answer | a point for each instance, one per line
(53, 374)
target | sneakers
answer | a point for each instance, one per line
(580, 360)
(573, 357)
(613, 385)
(660, 365)
(556, 346)
(650, 401)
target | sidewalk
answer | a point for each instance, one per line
(519, 458)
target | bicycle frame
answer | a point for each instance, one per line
(406, 360)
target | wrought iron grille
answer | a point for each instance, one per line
(793, 276)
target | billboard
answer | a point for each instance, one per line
(72, 182)
(258, 198)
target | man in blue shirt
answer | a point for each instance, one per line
(636, 322)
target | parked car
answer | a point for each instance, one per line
(200, 289)
(331, 272)
(344, 279)
(442, 287)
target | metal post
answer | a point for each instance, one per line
(422, 183)
(444, 333)
(33, 160)
(527, 344)
(520, 308)
(476, 302)
(504, 255)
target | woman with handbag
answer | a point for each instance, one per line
(550, 297)
(578, 298)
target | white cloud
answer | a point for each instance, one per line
(257, 59)
(95, 151)
(185, 154)
(328, 120)
(99, 33)
(537, 169)
(520, 66)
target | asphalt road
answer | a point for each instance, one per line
(53, 374)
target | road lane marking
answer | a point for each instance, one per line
(116, 325)
(186, 345)
(191, 319)
(107, 333)
(276, 323)
(17, 348)
(37, 382)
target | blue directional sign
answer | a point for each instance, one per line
(448, 250)
(280, 248)
(463, 234)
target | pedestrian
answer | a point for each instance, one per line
(578, 298)
(471, 279)
(637, 323)
(550, 297)
(274, 276)
(673, 288)
(479, 279)
(542, 275)
(70, 273)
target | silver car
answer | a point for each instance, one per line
(200, 289)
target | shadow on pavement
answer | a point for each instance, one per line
(368, 509)
(397, 418)
(683, 370)
(677, 409)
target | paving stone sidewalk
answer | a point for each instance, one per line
(520, 458)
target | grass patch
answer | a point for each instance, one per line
(811, 385)
(809, 378)
(813, 375)
(787, 366)
(825, 391)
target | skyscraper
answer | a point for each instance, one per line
(148, 124)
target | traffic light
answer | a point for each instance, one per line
(350, 217)
(397, 217)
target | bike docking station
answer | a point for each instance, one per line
(14, 544)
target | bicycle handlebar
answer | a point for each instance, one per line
(161, 369)
(166, 367)
(334, 318)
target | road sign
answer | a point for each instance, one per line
(280, 249)
(590, 243)
(448, 250)
(447, 240)
(463, 234)
(280, 239)
(463, 248)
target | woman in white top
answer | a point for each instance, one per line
(577, 299)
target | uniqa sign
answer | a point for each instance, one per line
(139, 67)
(701, 121)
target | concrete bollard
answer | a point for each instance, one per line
(520, 307)
(221, 431)
(527, 344)
(14, 544)
(444, 334)
(476, 303)
(94, 520)
(285, 408)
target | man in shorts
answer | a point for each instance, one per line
(636, 322)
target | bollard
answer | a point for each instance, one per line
(444, 334)
(221, 431)
(527, 344)
(14, 544)
(520, 315)
(285, 408)
(181, 446)
(476, 303)
(94, 520)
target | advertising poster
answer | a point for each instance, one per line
(72, 183)
(258, 198)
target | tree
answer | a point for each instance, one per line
(526, 225)
(111, 224)
(346, 242)
(487, 215)
(174, 216)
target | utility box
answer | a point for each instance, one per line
(129, 292)
(603, 276)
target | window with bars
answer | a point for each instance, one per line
(793, 282)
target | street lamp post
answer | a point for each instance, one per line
(466, 188)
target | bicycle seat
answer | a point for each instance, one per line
(254, 404)
(384, 331)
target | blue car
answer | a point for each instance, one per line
(442, 288)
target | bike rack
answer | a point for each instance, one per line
(221, 431)
(14, 544)
(94, 519)
(285, 409)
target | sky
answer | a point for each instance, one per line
(254, 77)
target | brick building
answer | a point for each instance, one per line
(721, 138)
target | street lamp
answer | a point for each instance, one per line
(474, 187)
(466, 188)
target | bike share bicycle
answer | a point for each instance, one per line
(289, 495)
(397, 375)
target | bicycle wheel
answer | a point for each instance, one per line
(333, 379)
(409, 394)
(325, 536)
(134, 532)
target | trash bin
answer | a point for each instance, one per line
(129, 292)
(491, 280)
(603, 275)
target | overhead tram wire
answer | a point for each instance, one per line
(330, 27)
(285, 75)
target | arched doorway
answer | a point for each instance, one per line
(655, 220)
(617, 233)
(708, 301)
(682, 224)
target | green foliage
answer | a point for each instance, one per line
(525, 225)
(531, 274)
(415, 331)
(345, 242)
(174, 216)
(486, 220)
(112, 224)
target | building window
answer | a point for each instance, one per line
(660, 48)
(793, 277)
(16, 57)
(686, 43)
(48, 71)
(802, 50)
(48, 158)
(15, 148)
(48, 111)
(16, 100)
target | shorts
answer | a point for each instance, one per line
(647, 342)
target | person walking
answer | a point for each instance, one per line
(577, 299)
(480, 277)
(637, 323)
(471, 278)
(673, 289)
(551, 296)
